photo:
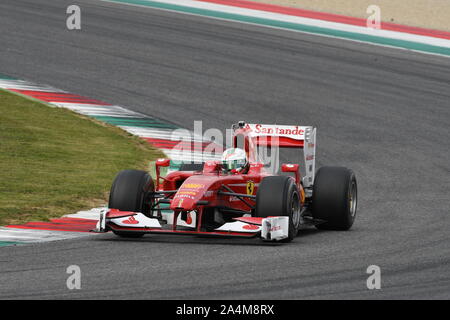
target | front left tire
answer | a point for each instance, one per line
(129, 192)
(279, 196)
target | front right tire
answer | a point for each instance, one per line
(334, 199)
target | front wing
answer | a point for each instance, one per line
(269, 229)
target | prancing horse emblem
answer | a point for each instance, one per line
(250, 187)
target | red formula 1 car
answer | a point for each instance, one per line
(249, 201)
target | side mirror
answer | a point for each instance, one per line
(163, 162)
(212, 166)
(288, 167)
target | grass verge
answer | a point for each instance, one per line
(55, 162)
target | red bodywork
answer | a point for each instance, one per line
(194, 192)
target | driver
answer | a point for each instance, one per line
(235, 160)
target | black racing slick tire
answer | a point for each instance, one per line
(279, 196)
(129, 192)
(334, 198)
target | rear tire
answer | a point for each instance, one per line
(129, 192)
(279, 196)
(335, 198)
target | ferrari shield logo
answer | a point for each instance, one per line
(250, 187)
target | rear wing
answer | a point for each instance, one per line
(283, 136)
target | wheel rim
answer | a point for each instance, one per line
(295, 210)
(353, 198)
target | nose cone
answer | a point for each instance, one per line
(190, 192)
(183, 202)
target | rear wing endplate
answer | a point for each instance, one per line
(309, 154)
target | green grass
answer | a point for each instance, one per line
(55, 162)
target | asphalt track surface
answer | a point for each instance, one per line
(383, 112)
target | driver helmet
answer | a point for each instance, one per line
(234, 159)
